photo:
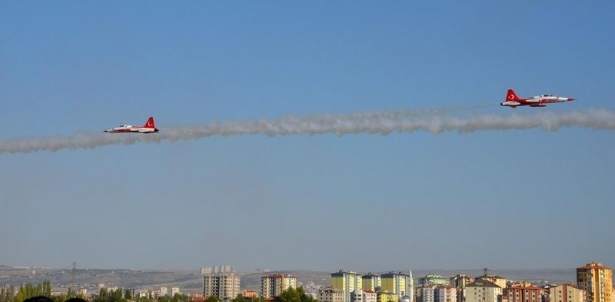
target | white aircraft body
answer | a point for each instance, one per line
(149, 127)
(512, 100)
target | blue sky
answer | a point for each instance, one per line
(497, 199)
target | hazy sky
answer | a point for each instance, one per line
(365, 202)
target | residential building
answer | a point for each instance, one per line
(499, 281)
(359, 295)
(206, 270)
(330, 294)
(483, 291)
(567, 293)
(347, 281)
(425, 293)
(395, 283)
(164, 291)
(371, 282)
(433, 280)
(445, 293)
(274, 285)
(522, 293)
(460, 282)
(225, 286)
(597, 281)
(386, 296)
(249, 293)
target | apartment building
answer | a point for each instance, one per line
(347, 281)
(460, 282)
(371, 282)
(483, 291)
(522, 293)
(225, 286)
(445, 293)
(359, 295)
(274, 285)
(597, 281)
(330, 294)
(395, 283)
(566, 293)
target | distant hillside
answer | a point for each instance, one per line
(192, 281)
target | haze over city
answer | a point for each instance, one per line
(503, 197)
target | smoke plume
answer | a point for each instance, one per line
(405, 121)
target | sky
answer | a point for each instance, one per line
(365, 202)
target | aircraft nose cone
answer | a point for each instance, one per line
(571, 99)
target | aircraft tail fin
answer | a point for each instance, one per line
(150, 123)
(511, 95)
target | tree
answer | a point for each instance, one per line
(303, 296)
(290, 295)
(239, 298)
(212, 299)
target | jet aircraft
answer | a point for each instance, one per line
(512, 100)
(149, 127)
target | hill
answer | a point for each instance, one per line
(192, 282)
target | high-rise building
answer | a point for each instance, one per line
(225, 286)
(394, 283)
(410, 291)
(566, 293)
(597, 281)
(347, 281)
(425, 293)
(460, 282)
(445, 293)
(370, 282)
(274, 285)
(216, 269)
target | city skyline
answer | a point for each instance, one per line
(510, 197)
(391, 284)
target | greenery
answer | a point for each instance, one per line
(295, 295)
(9, 294)
(289, 295)
(126, 295)
(25, 291)
(241, 298)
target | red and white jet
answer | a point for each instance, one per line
(512, 100)
(149, 127)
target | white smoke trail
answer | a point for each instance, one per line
(400, 113)
(373, 123)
